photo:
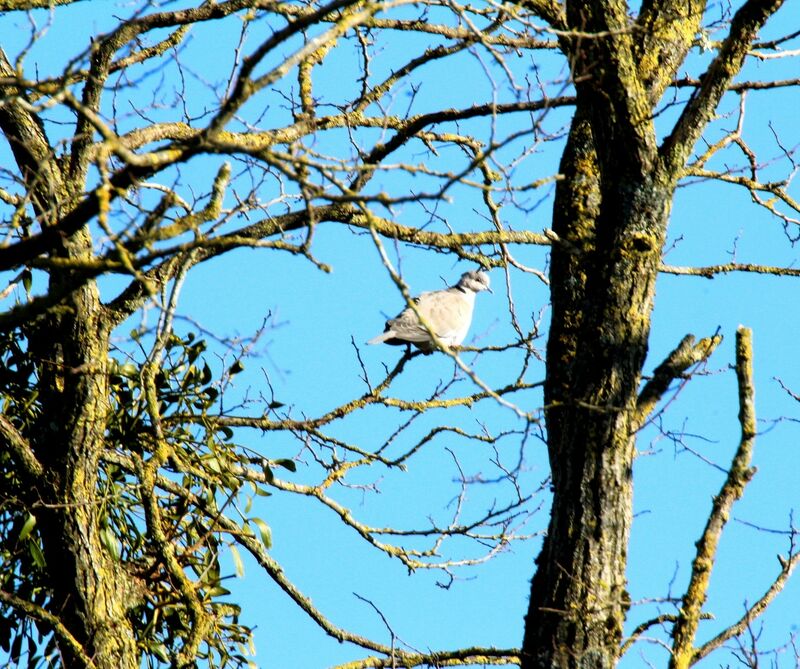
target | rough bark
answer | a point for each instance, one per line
(611, 213)
(603, 279)
(69, 347)
(87, 584)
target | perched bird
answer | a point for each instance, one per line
(448, 313)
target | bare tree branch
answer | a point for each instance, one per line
(748, 20)
(682, 358)
(753, 612)
(739, 474)
(53, 622)
(710, 271)
(25, 457)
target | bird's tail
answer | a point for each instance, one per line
(381, 337)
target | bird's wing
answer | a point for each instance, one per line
(447, 312)
(406, 326)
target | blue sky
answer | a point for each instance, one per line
(310, 362)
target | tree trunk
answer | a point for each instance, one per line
(603, 278)
(69, 345)
(88, 586)
(611, 214)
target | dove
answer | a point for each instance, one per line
(448, 313)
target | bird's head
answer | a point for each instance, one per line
(475, 281)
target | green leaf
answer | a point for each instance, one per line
(218, 591)
(160, 651)
(286, 463)
(5, 634)
(263, 529)
(128, 369)
(27, 528)
(36, 554)
(238, 565)
(27, 280)
(276, 405)
(108, 540)
(212, 464)
(235, 368)
(16, 648)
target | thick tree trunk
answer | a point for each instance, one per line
(611, 213)
(603, 278)
(69, 345)
(88, 586)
